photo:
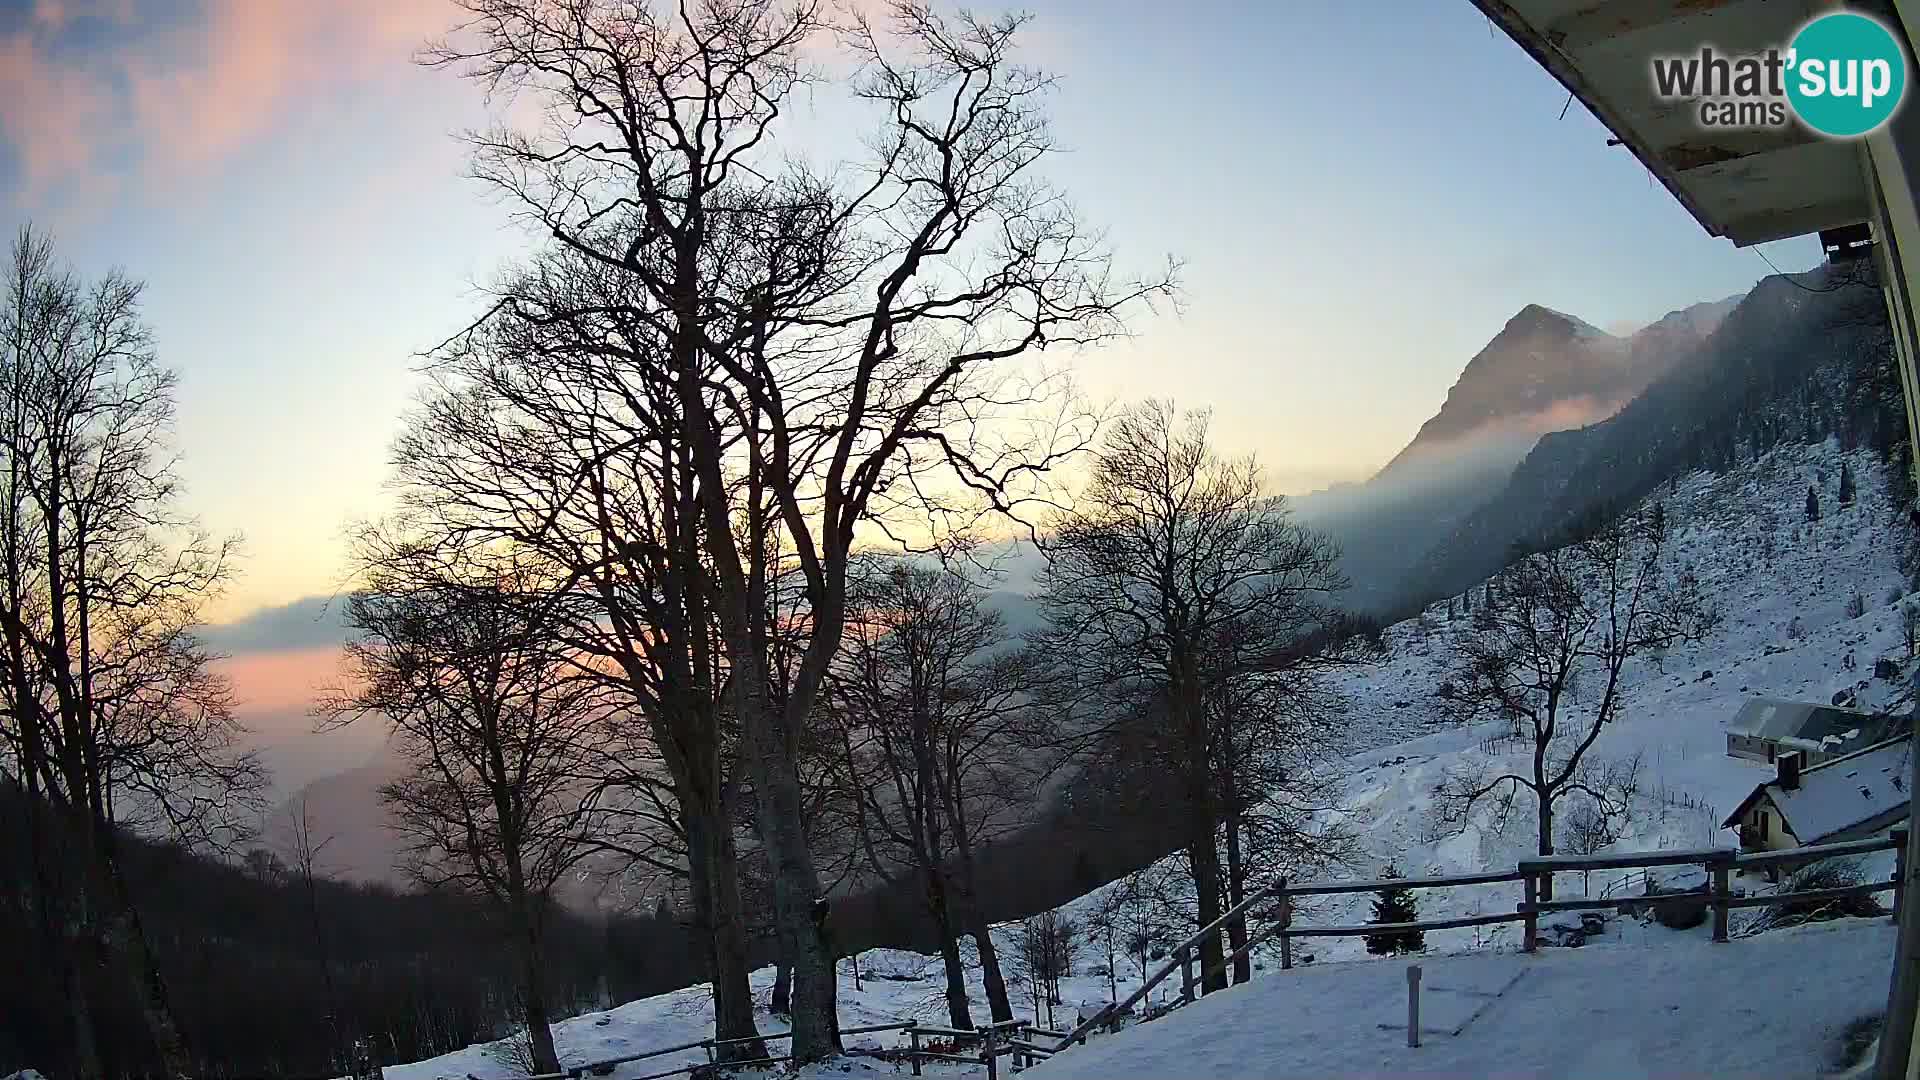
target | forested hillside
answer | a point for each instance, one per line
(270, 972)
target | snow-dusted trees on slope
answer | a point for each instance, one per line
(1548, 657)
(113, 717)
(1184, 598)
(464, 659)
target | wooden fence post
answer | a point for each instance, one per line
(1413, 1004)
(913, 1037)
(987, 1055)
(1721, 893)
(1531, 921)
(1186, 975)
(1286, 924)
(1899, 837)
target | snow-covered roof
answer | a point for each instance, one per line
(1809, 726)
(1838, 794)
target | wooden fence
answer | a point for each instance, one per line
(1014, 1039)
(1019, 1040)
(1719, 864)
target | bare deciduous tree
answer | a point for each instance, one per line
(1549, 660)
(552, 426)
(1045, 952)
(466, 663)
(930, 698)
(1174, 589)
(838, 345)
(115, 720)
(304, 850)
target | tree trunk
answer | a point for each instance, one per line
(782, 989)
(533, 996)
(1205, 863)
(1546, 844)
(999, 1005)
(796, 884)
(732, 994)
(1203, 852)
(958, 1012)
(1237, 892)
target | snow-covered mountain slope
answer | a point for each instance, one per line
(1783, 586)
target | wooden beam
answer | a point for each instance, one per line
(1367, 929)
(1770, 225)
(1627, 860)
(1814, 852)
(1562, 67)
(1709, 148)
(1328, 888)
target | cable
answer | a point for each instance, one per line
(1788, 278)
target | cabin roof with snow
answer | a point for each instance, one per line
(1749, 186)
(1837, 795)
(1804, 726)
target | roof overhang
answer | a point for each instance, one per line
(1748, 186)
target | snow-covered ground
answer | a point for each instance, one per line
(1772, 1006)
(1650, 1001)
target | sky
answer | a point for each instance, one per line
(1361, 194)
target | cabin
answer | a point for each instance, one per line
(1765, 728)
(1845, 798)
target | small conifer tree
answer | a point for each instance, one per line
(1395, 904)
(1846, 484)
(1813, 503)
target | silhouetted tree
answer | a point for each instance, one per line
(931, 702)
(115, 721)
(1813, 503)
(836, 341)
(466, 663)
(1551, 662)
(1177, 586)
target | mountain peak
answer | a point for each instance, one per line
(1543, 371)
(1538, 318)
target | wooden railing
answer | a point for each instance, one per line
(1018, 1039)
(1006, 1038)
(1719, 863)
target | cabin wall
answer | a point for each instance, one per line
(1776, 837)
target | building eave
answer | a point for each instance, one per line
(1749, 186)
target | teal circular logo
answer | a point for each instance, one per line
(1846, 74)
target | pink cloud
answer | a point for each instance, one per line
(180, 98)
(282, 678)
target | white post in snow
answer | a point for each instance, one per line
(1413, 1004)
